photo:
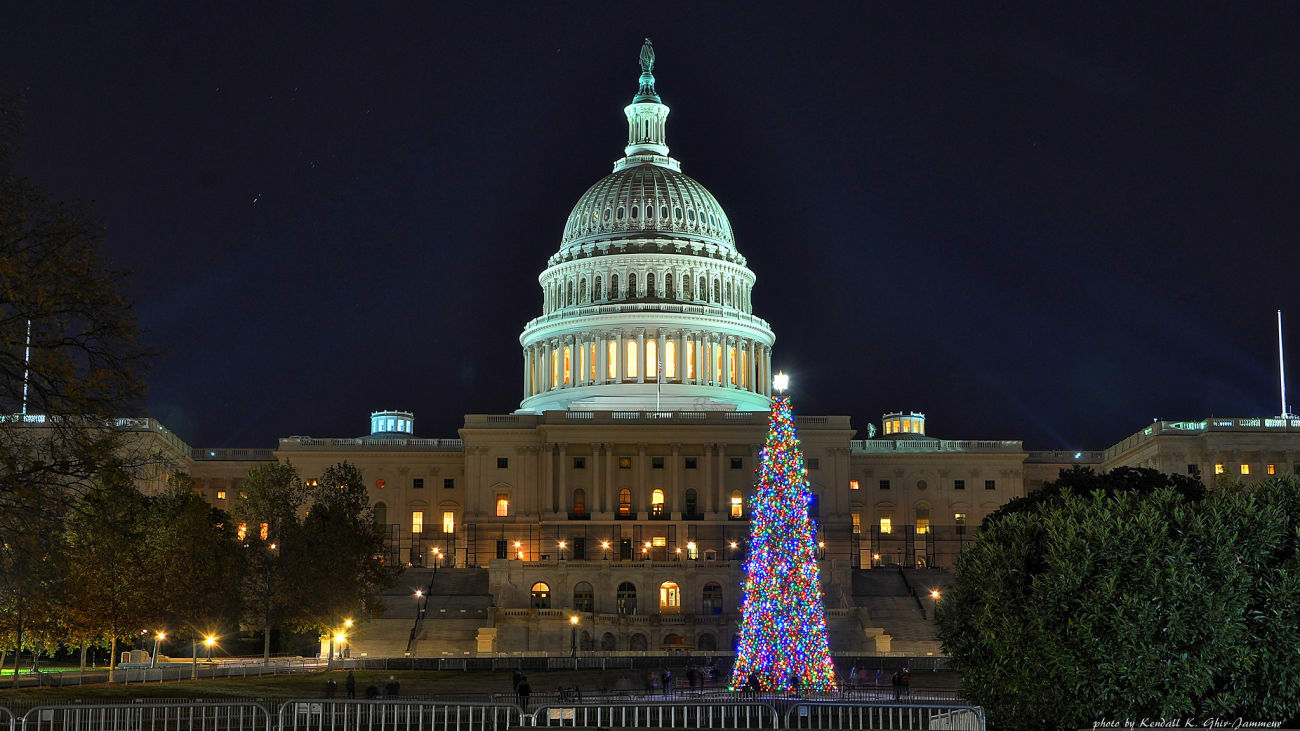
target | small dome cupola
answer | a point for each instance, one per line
(646, 115)
(383, 423)
(904, 424)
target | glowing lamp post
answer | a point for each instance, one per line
(208, 642)
(781, 382)
(157, 638)
(604, 548)
(573, 642)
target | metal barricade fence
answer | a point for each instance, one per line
(660, 715)
(354, 715)
(149, 717)
(831, 715)
(7, 720)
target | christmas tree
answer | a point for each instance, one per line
(783, 618)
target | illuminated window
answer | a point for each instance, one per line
(568, 365)
(670, 597)
(886, 524)
(744, 371)
(857, 522)
(593, 361)
(448, 521)
(731, 365)
(922, 519)
(310, 483)
(221, 494)
(907, 426)
(625, 502)
(263, 530)
(855, 485)
(690, 358)
(613, 359)
(651, 358)
(631, 359)
(692, 550)
(737, 504)
(1272, 470)
(657, 502)
(417, 522)
(717, 362)
(242, 533)
(670, 359)
(555, 368)
(625, 463)
(541, 596)
(959, 519)
(1218, 468)
(580, 502)
(503, 505)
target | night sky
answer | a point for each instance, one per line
(1027, 224)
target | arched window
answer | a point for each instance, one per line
(568, 364)
(637, 642)
(737, 504)
(650, 285)
(608, 643)
(613, 286)
(595, 294)
(592, 361)
(717, 291)
(922, 519)
(657, 502)
(612, 368)
(630, 363)
(712, 598)
(669, 289)
(634, 211)
(568, 292)
(706, 642)
(585, 642)
(663, 212)
(381, 515)
(670, 359)
(632, 291)
(703, 292)
(690, 358)
(726, 293)
(541, 596)
(625, 502)
(651, 358)
(717, 363)
(583, 597)
(686, 287)
(626, 598)
(670, 598)
(582, 290)
(692, 501)
(580, 502)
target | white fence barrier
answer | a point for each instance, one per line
(660, 715)
(7, 720)
(832, 715)
(149, 717)
(354, 715)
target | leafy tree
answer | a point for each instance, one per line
(32, 567)
(339, 554)
(108, 596)
(1082, 480)
(1131, 603)
(272, 495)
(196, 563)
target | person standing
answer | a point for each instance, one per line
(668, 682)
(351, 685)
(524, 690)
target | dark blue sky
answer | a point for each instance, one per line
(1029, 223)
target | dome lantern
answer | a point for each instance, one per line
(647, 115)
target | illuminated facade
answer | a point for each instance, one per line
(617, 493)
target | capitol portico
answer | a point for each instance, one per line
(610, 510)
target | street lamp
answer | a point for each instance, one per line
(934, 593)
(604, 547)
(208, 642)
(159, 637)
(573, 623)
(562, 545)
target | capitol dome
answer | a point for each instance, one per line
(632, 201)
(646, 304)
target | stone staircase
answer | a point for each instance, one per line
(893, 612)
(455, 606)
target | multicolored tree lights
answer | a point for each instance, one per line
(783, 618)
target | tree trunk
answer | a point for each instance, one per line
(266, 643)
(194, 657)
(112, 656)
(83, 656)
(18, 649)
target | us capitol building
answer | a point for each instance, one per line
(609, 513)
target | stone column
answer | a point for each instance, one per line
(640, 355)
(681, 356)
(699, 358)
(561, 493)
(660, 355)
(619, 354)
(610, 496)
(527, 390)
(597, 499)
(675, 493)
(709, 499)
(642, 497)
(548, 474)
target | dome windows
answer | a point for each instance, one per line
(712, 221)
(606, 214)
(619, 215)
(690, 215)
(677, 213)
(634, 211)
(663, 212)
